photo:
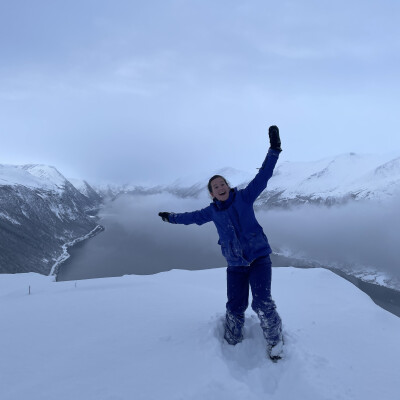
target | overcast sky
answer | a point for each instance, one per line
(147, 91)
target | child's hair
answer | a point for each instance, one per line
(215, 177)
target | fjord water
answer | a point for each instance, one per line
(137, 241)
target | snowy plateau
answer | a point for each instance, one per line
(160, 336)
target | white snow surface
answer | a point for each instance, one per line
(32, 176)
(160, 337)
(12, 175)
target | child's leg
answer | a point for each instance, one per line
(238, 300)
(262, 304)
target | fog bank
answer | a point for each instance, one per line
(354, 236)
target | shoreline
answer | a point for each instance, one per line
(65, 255)
(368, 276)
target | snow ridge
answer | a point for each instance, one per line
(334, 180)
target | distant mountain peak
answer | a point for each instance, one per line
(47, 173)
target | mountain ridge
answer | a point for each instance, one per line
(328, 181)
(40, 212)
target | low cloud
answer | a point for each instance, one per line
(353, 236)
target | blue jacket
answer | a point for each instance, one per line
(241, 237)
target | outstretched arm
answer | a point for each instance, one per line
(259, 183)
(199, 217)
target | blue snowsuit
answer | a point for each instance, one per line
(246, 249)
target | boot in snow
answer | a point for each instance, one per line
(233, 328)
(275, 352)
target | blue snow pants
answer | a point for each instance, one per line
(258, 277)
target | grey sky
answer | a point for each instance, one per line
(146, 91)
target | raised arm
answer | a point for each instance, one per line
(198, 217)
(259, 183)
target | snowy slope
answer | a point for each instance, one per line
(336, 179)
(11, 175)
(160, 337)
(32, 176)
(48, 175)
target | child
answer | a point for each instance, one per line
(246, 249)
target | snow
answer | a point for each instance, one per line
(32, 176)
(46, 173)
(160, 337)
(8, 218)
(366, 175)
(12, 175)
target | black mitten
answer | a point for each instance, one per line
(164, 216)
(274, 139)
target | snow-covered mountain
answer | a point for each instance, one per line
(40, 211)
(333, 180)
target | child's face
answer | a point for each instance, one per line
(220, 190)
